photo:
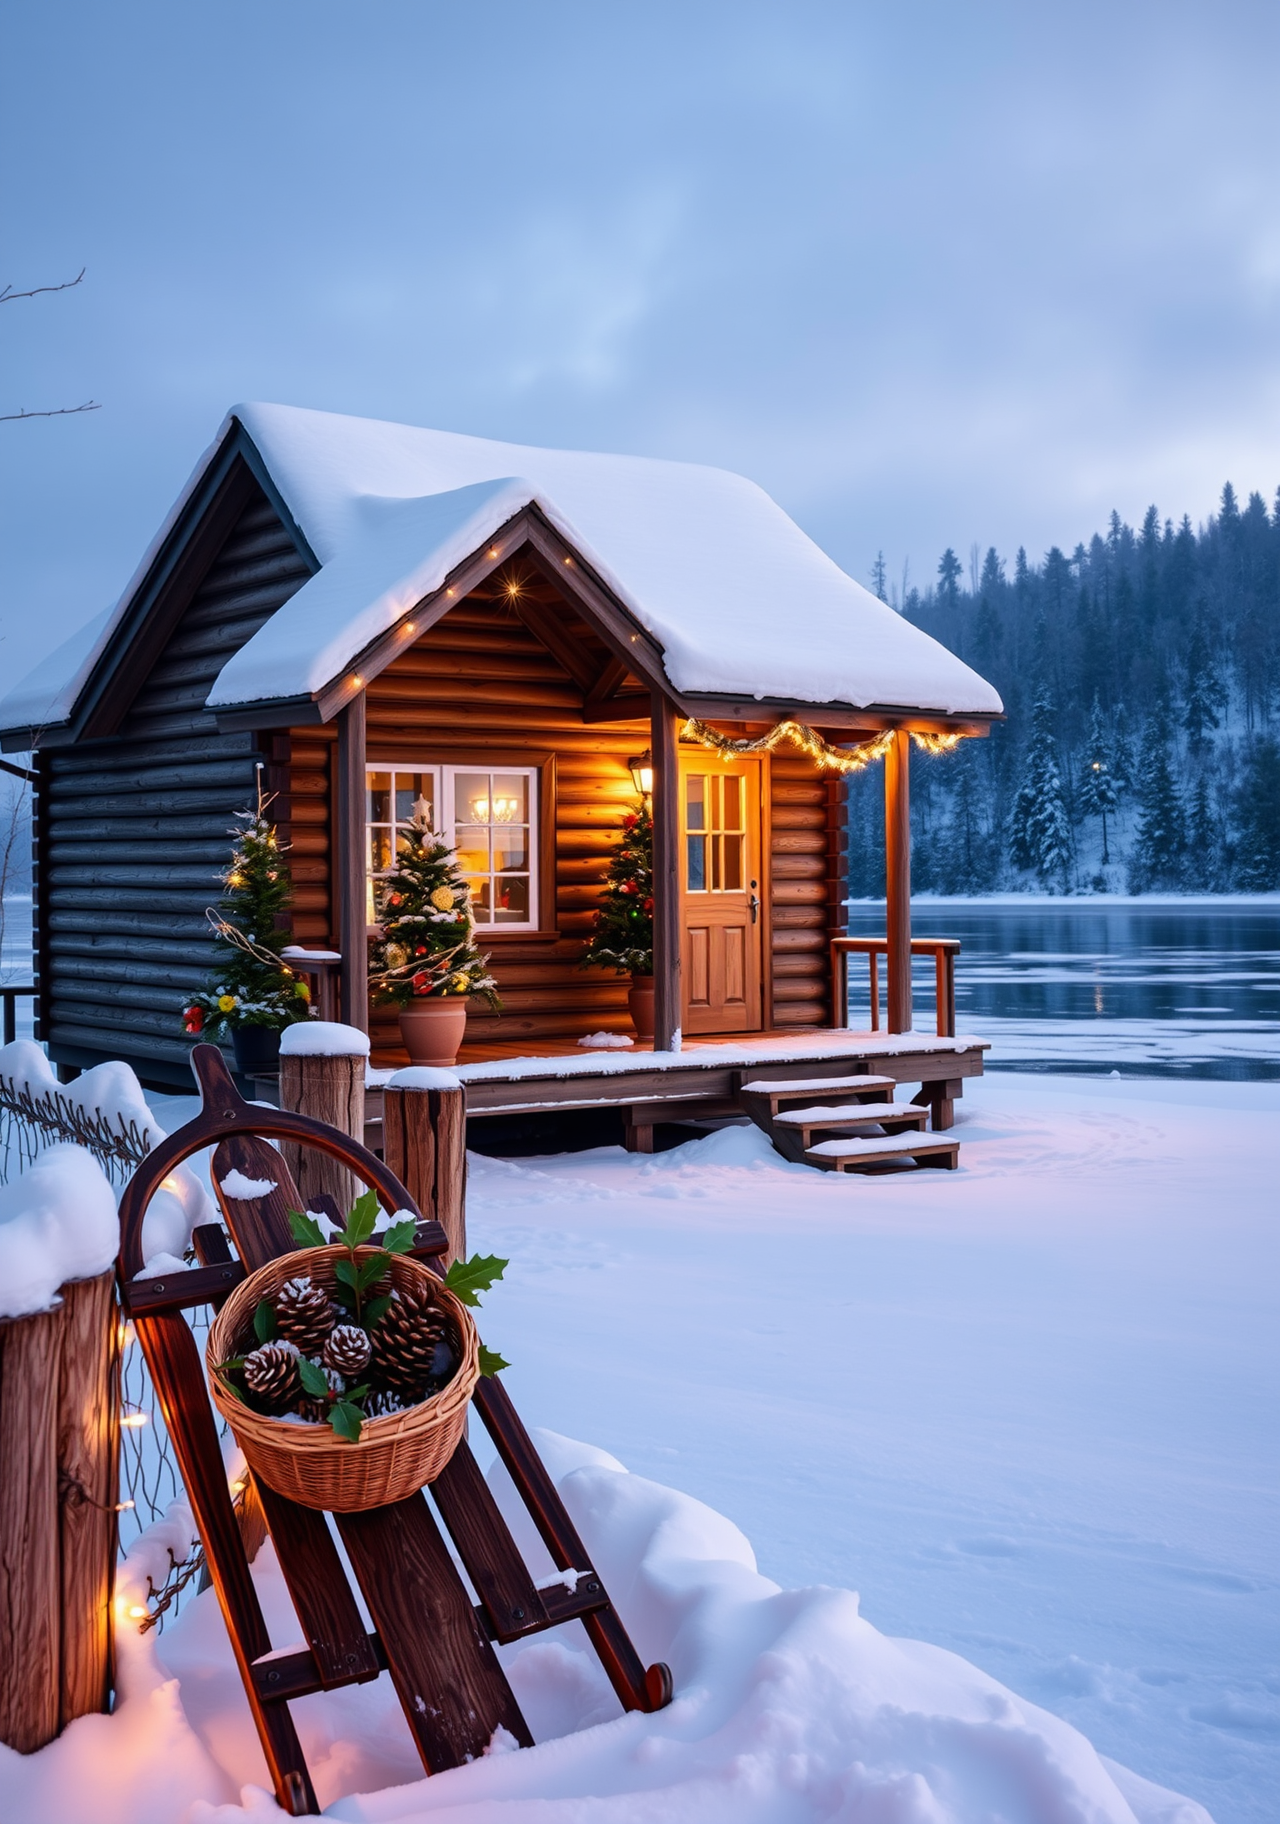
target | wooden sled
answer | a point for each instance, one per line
(435, 1642)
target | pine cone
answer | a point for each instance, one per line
(347, 1349)
(271, 1376)
(382, 1404)
(305, 1314)
(406, 1341)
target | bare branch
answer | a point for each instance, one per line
(63, 411)
(10, 296)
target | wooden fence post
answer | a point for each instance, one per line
(322, 1075)
(59, 1455)
(424, 1142)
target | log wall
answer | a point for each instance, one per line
(802, 865)
(133, 831)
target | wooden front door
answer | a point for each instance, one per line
(720, 893)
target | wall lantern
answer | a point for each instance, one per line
(642, 771)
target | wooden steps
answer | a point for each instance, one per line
(885, 1154)
(894, 1117)
(864, 1131)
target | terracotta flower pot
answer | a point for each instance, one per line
(640, 1001)
(432, 1028)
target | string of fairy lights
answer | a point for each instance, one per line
(851, 759)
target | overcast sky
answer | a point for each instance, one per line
(931, 273)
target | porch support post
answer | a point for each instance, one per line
(897, 874)
(665, 754)
(349, 864)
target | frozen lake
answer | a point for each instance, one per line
(1147, 987)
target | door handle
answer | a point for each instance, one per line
(754, 904)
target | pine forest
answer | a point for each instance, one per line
(1140, 750)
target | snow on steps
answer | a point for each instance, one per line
(884, 1152)
(847, 1102)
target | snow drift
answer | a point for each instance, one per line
(790, 1709)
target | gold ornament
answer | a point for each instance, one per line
(442, 899)
(397, 956)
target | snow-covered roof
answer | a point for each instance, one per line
(740, 600)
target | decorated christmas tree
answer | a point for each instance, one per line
(427, 946)
(251, 984)
(622, 938)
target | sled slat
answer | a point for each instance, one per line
(512, 1603)
(448, 1679)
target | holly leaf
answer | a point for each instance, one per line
(264, 1322)
(314, 1380)
(306, 1230)
(399, 1237)
(375, 1309)
(361, 1222)
(344, 1271)
(467, 1279)
(346, 1420)
(370, 1270)
(491, 1362)
(345, 1296)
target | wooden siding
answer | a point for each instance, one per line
(134, 829)
(800, 865)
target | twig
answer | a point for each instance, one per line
(10, 296)
(63, 411)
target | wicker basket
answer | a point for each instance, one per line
(395, 1455)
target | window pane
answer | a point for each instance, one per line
(471, 799)
(415, 797)
(511, 895)
(510, 850)
(695, 790)
(697, 848)
(379, 849)
(732, 863)
(510, 798)
(378, 803)
(732, 802)
(473, 849)
(480, 900)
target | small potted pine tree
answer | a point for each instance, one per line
(425, 960)
(252, 993)
(622, 937)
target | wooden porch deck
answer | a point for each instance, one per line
(700, 1082)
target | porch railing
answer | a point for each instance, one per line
(943, 950)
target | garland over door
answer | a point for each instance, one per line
(720, 894)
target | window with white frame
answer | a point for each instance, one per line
(489, 815)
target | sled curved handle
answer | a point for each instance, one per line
(224, 1111)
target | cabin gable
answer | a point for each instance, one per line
(132, 828)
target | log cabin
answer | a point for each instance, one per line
(374, 614)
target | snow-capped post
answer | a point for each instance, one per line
(424, 1142)
(897, 852)
(322, 1068)
(59, 1445)
(665, 755)
(350, 864)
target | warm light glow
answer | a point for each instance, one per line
(133, 1421)
(448, 591)
(124, 1507)
(137, 1613)
(568, 560)
(410, 627)
(128, 1335)
(504, 809)
(493, 551)
(641, 766)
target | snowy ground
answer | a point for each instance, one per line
(1026, 1410)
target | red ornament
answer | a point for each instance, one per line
(648, 905)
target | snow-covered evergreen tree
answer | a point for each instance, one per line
(1160, 843)
(1258, 817)
(1202, 690)
(1098, 794)
(1040, 830)
(1204, 863)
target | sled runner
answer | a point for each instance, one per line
(436, 1643)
